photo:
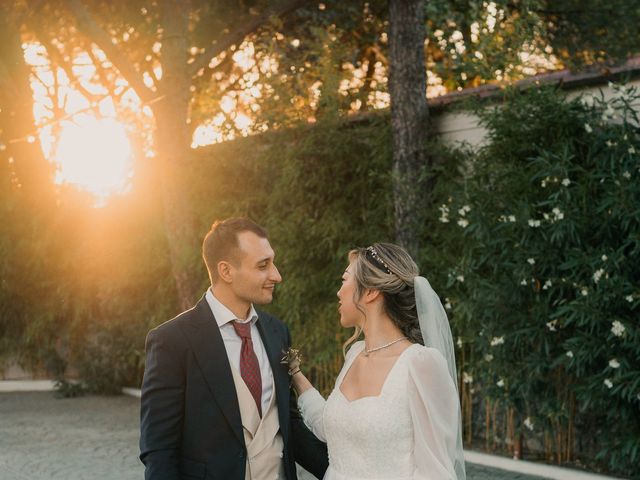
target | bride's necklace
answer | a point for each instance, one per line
(367, 351)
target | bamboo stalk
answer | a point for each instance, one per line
(570, 429)
(487, 422)
(509, 430)
(495, 423)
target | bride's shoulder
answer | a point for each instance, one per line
(421, 356)
(355, 349)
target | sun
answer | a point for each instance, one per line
(94, 155)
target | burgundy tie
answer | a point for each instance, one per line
(249, 366)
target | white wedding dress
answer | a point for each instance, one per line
(408, 432)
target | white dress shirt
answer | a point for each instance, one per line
(233, 343)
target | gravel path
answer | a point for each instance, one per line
(92, 438)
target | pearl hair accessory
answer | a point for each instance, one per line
(381, 263)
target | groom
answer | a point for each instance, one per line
(216, 402)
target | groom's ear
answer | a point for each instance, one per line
(224, 271)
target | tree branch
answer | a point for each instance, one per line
(237, 36)
(101, 72)
(57, 58)
(91, 29)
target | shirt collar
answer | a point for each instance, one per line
(222, 314)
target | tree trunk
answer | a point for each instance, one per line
(18, 136)
(409, 116)
(173, 147)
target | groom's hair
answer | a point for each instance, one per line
(221, 242)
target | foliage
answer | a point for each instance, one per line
(68, 389)
(83, 288)
(548, 281)
(312, 189)
(288, 67)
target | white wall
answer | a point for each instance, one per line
(458, 127)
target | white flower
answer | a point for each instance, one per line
(566, 182)
(604, 258)
(597, 274)
(629, 298)
(534, 223)
(463, 222)
(584, 291)
(500, 383)
(588, 128)
(528, 423)
(524, 282)
(531, 261)
(608, 383)
(512, 218)
(459, 342)
(552, 325)
(547, 285)
(543, 183)
(569, 354)
(626, 174)
(557, 214)
(488, 357)
(464, 210)
(466, 378)
(631, 150)
(608, 113)
(546, 216)
(497, 341)
(444, 213)
(460, 278)
(613, 363)
(610, 143)
(617, 328)
(447, 304)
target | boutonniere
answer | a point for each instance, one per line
(292, 358)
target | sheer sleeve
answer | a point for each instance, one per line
(311, 403)
(435, 410)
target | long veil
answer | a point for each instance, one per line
(436, 333)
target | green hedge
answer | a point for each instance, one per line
(319, 191)
(547, 285)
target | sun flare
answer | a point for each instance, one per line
(94, 155)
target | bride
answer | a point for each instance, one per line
(394, 412)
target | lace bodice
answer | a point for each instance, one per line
(403, 433)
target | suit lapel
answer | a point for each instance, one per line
(273, 345)
(206, 342)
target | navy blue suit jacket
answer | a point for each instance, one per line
(190, 421)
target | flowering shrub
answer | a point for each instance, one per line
(547, 284)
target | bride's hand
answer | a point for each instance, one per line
(293, 359)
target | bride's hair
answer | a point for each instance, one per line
(390, 269)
